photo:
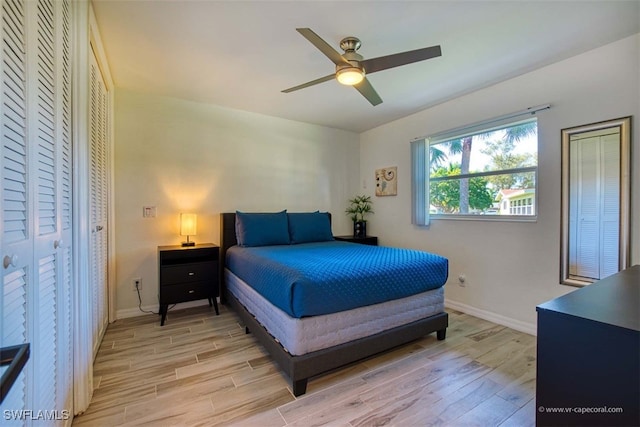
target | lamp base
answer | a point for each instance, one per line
(188, 243)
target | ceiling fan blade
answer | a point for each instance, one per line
(385, 62)
(311, 83)
(323, 46)
(365, 88)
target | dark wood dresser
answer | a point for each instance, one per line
(588, 371)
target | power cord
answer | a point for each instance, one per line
(140, 303)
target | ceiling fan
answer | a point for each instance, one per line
(351, 67)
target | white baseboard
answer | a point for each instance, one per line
(518, 325)
(135, 312)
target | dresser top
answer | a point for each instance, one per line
(614, 300)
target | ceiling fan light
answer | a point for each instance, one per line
(350, 76)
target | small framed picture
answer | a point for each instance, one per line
(387, 181)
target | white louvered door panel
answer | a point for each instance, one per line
(64, 245)
(14, 331)
(588, 243)
(573, 209)
(15, 201)
(610, 204)
(43, 138)
(99, 129)
(45, 352)
(36, 203)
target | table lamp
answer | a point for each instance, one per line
(188, 227)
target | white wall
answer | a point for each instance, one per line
(182, 156)
(510, 266)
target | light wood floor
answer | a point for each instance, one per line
(203, 370)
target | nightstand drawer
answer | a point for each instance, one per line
(188, 273)
(186, 292)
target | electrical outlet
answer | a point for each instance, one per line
(462, 280)
(136, 284)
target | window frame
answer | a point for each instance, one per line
(476, 129)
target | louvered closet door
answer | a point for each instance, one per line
(36, 201)
(99, 132)
(595, 207)
(17, 207)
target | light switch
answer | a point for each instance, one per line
(148, 211)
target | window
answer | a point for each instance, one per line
(485, 171)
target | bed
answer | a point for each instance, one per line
(288, 313)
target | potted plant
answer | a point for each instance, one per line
(359, 206)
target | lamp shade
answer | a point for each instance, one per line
(188, 224)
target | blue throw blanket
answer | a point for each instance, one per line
(311, 279)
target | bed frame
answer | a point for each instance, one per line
(301, 368)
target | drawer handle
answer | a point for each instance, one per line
(191, 291)
(192, 274)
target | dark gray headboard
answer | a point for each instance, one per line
(227, 239)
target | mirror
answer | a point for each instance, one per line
(595, 201)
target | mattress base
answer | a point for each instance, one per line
(301, 368)
(299, 336)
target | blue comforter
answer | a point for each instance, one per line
(326, 277)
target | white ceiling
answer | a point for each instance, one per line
(241, 54)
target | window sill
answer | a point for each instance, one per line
(489, 218)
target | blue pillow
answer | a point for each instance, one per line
(262, 229)
(309, 227)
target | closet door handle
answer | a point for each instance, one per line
(10, 261)
(58, 244)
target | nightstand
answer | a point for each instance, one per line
(367, 240)
(187, 273)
